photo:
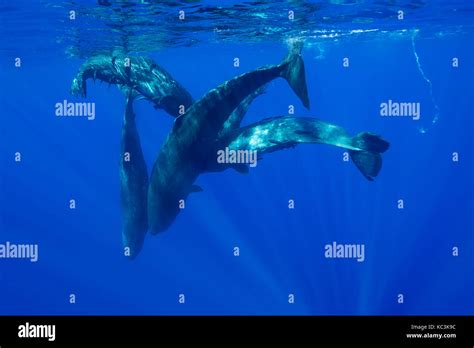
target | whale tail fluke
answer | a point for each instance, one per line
(294, 72)
(368, 160)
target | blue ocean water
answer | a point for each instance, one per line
(408, 251)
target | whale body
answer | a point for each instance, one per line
(283, 132)
(133, 185)
(141, 74)
(137, 77)
(191, 141)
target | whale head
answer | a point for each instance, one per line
(171, 182)
(162, 211)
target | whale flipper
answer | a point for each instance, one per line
(133, 185)
(279, 133)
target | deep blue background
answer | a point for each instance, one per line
(282, 251)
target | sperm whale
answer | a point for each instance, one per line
(141, 74)
(186, 150)
(283, 132)
(133, 184)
